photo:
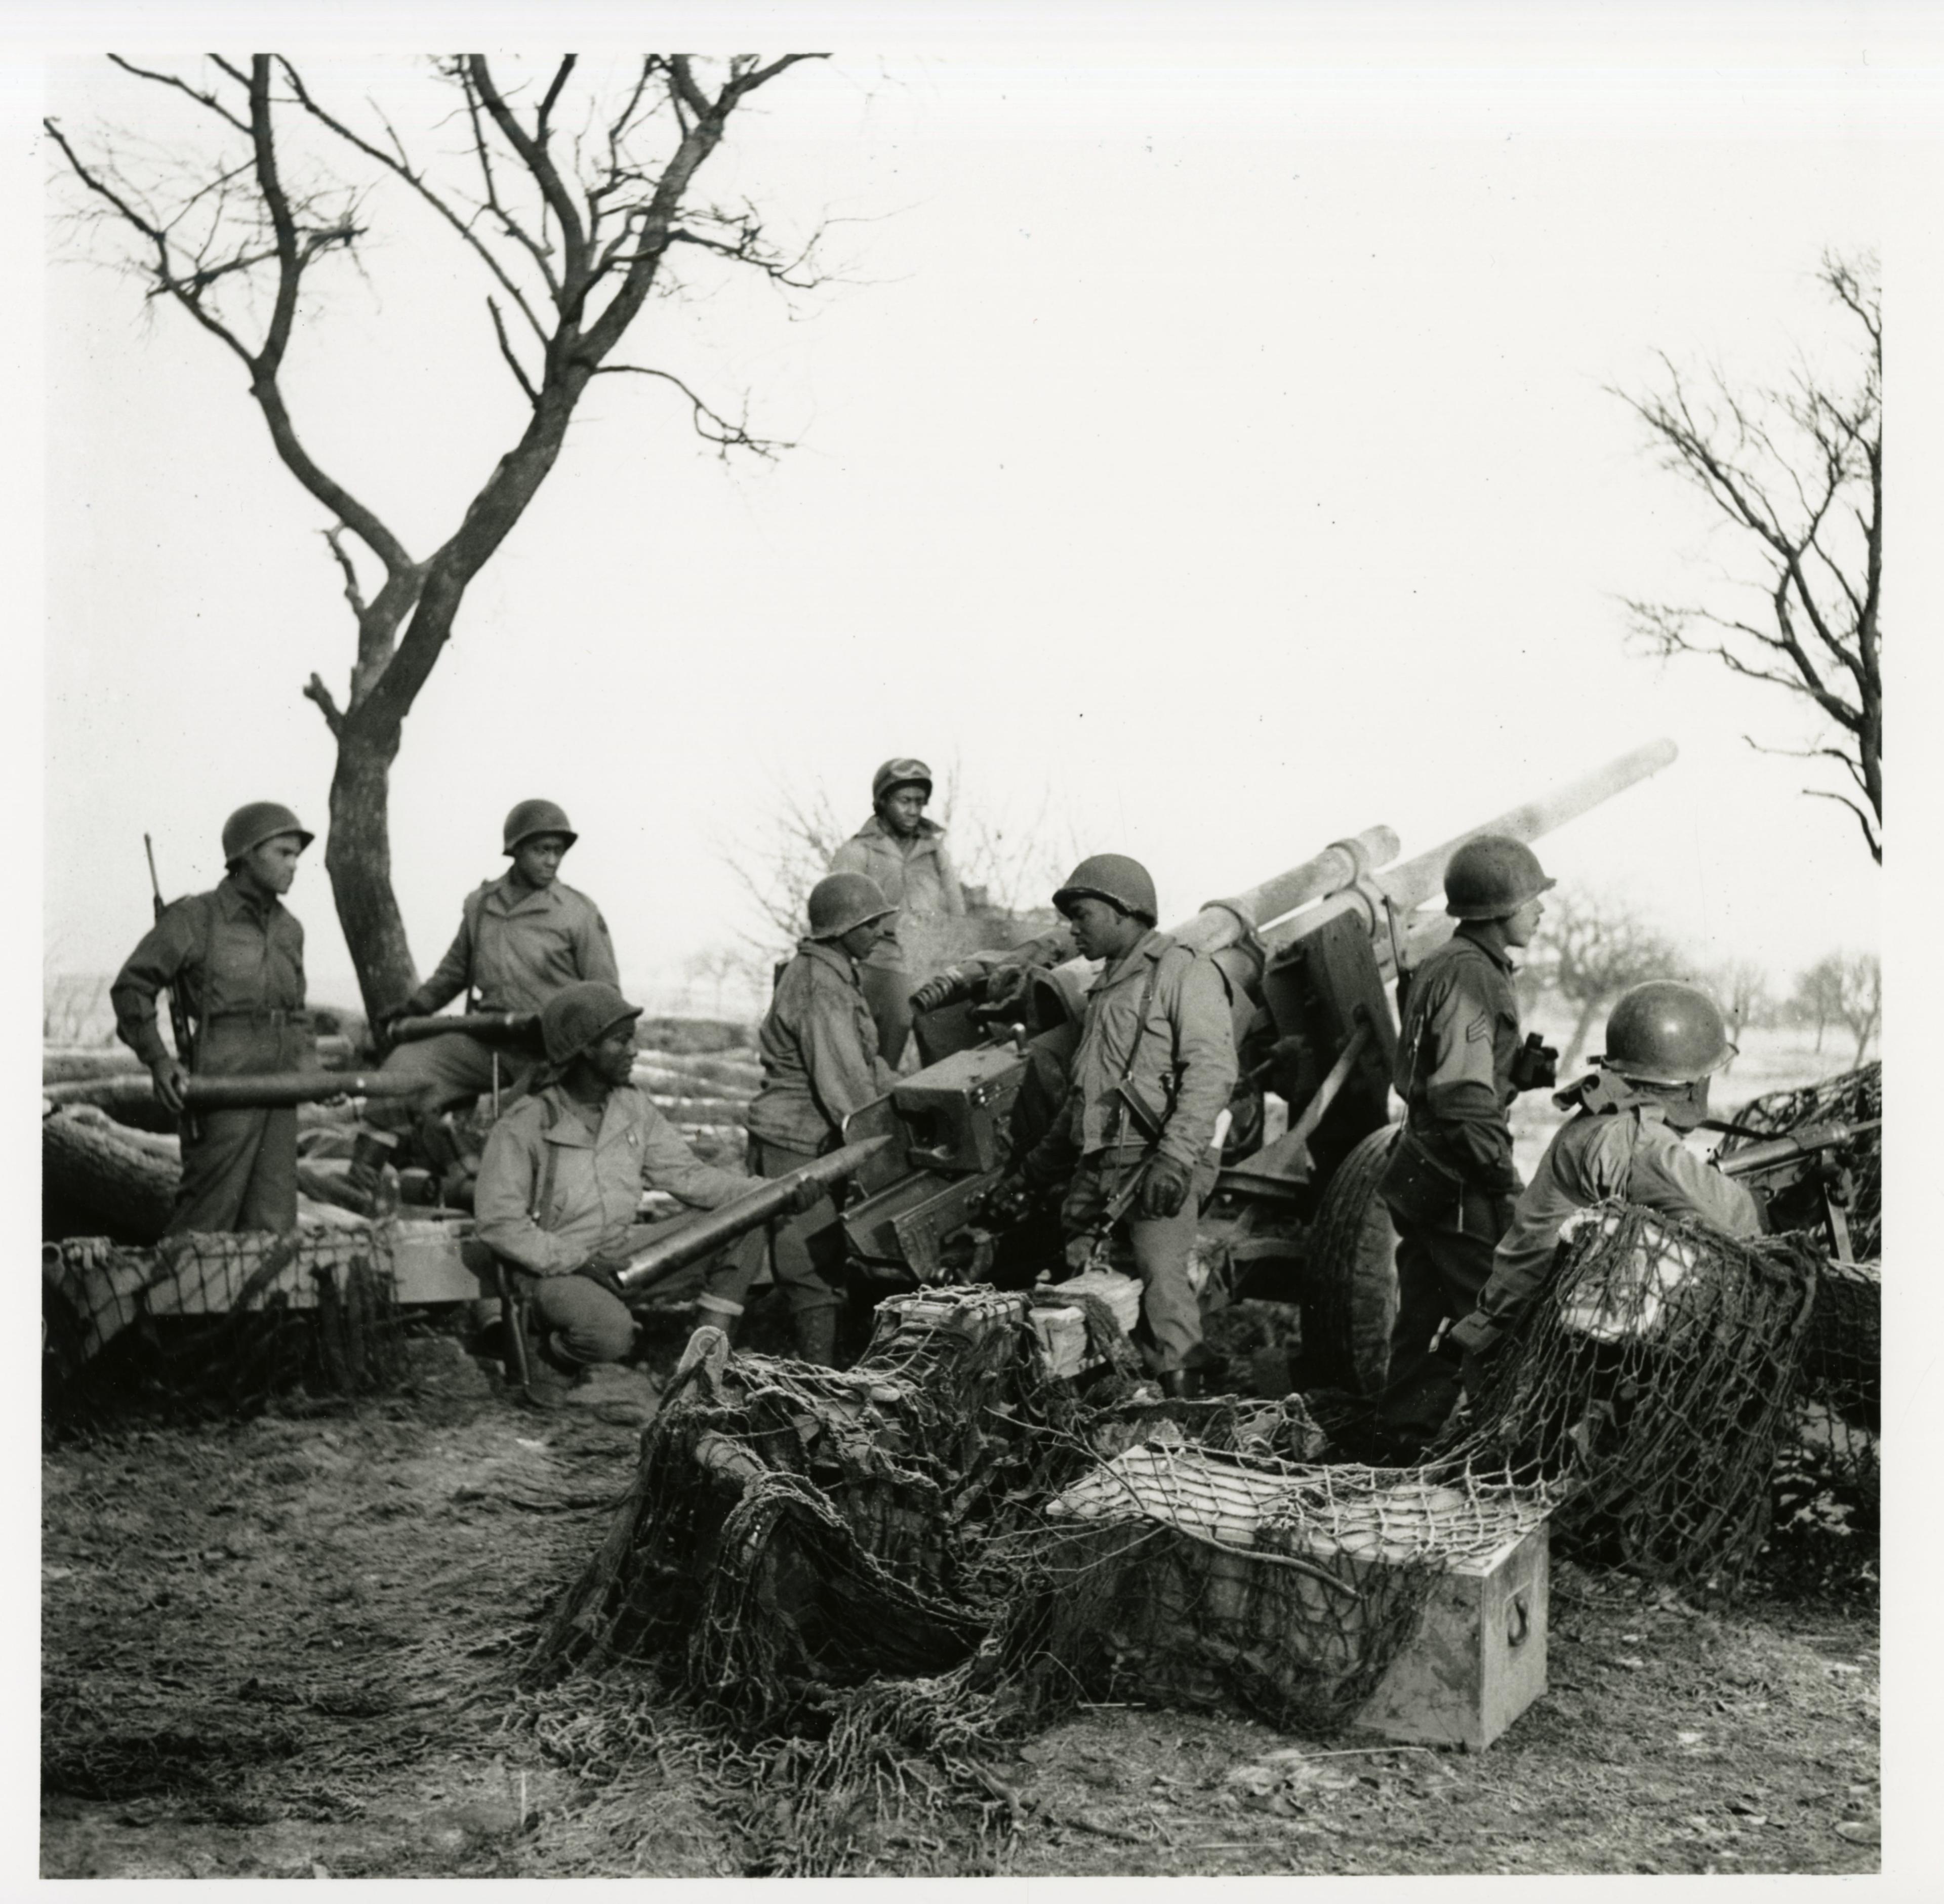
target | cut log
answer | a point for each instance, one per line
(121, 1186)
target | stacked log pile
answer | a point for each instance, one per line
(111, 1159)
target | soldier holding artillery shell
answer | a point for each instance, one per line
(233, 959)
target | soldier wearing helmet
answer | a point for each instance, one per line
(819, 1046)
(521, 939)
(563, 1171)
(1154, 1066)
(1451, 1182)
(235, 957)
(904, 853)
(1664, 1041)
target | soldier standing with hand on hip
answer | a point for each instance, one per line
(903, 854)
(1450, 1184)
(523, 938)
(235, 958)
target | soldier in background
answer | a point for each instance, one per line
(235, 957)
(522, 939)
(1154, 1067)
(904, 853)
(1451, 1182)
(1665, 1040)
(819, 1046)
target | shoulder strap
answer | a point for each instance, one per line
(544, 1200)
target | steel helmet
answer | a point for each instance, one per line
(1114, 877)
(532, 817)
(578, 1016)
(1664, 1032)
(248, 827)
(895, 774)
(843, 900)
(1491, 877)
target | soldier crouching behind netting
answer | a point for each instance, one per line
(1664, 1041)
(564, 1170)
(819, 1046)
(522, 938)
(1154, 1067)
(235, 957)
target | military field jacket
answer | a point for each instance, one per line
(819, 1048)
(1454, 1061)
(235, 957)
(915, 875)
(517, 945)
(1633, 1154)
(553, 1195)
(1184, 1061)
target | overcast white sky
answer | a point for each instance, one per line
(1212, 433)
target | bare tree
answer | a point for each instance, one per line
(570, 199)
(1589, 949)
(1741, 987)
(1859, 1001)
(1819, 993)
(1799, 470)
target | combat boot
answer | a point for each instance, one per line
(365, 1176)
(817, 1335)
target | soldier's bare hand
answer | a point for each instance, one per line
(171, 1083)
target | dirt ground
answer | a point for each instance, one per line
(287, 1647)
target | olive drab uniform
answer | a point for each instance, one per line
(1451, 1180)
(1155, 1068)
(916, 876)
(559, 1189)
(516, 946)
(238, 960)
(819, 1048)
(1618, 1144)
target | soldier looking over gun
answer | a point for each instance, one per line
(903, 854)
(1451, 1182)
(234, 958)
(1650, 1088)
(522, 939)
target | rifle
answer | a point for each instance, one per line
(179, 1023)
(1797, 1158)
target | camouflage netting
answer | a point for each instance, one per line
(869, 1578)
(1828, 1472)
(219, 1324)
(1653, 1391)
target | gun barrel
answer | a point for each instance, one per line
(767, 1201)
(273, 1090)
(486, 1025)
(1408, 885)
(1758, 1157)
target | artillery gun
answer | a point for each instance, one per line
(1310, 958)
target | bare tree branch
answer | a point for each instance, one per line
(314, 690)
(209, 99)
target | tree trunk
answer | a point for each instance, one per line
(1589, 1009)
(357, 856)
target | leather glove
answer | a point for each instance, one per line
(170, 1079)
(1163, 1188)
(806, 1195)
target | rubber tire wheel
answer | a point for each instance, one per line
(1353, 1283)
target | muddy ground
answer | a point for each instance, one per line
(287, 1647)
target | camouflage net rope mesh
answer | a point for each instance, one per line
(865, 1580)
(1829, 1473)
(220, 1323)
(1651, 1392)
